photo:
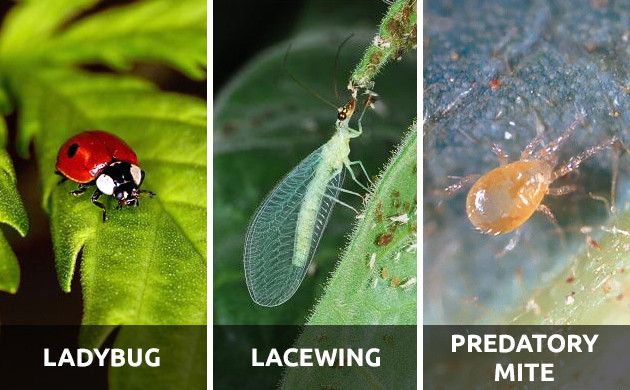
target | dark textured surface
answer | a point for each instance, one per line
(505, 71)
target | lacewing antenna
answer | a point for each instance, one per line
(309, 89)
(337, 66)
(300, 83)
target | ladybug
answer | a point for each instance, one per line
(102, 159)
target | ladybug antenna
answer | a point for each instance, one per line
(336, 66)
(146, 194)
(301, 84)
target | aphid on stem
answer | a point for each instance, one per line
(506, 197)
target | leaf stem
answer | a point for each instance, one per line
(397, 35)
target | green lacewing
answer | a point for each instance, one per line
(283, 234)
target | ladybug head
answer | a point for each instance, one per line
(121, 179)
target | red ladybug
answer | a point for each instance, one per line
(102, 159)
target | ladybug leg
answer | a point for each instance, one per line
(150, 194)
(80, 191)
(97, 194)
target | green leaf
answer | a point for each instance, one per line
(375, 282)
(9, 268)
(396, 345)
(12, 213)
(589, 290)
(163, 31)
(397, 35)
(182, 352)
(172, 33)
(264, 124)
(32, 22)
(145, 265)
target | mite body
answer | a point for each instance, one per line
(506, 197)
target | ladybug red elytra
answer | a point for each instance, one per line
(102, 159)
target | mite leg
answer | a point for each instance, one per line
(80, 191)
(547, 211)
(97, 194)
(601, 199)
(500, 153)
(574, 162)
(453, 188)
(555, 144)
(510, 245)
(359, 163)
(552, 218)
(529, 149)
(563, 190)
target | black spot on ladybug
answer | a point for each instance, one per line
(72, 150)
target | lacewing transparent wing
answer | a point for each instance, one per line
(283, 235)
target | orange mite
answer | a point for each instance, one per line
(495, 84)
(504, 198)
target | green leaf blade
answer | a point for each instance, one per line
(146, 264)
(33, 22)
(375, 282)
(164, 285)
(182, 351)
(12, 210)
(12, 213)
(163, 31)
(9, 268)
